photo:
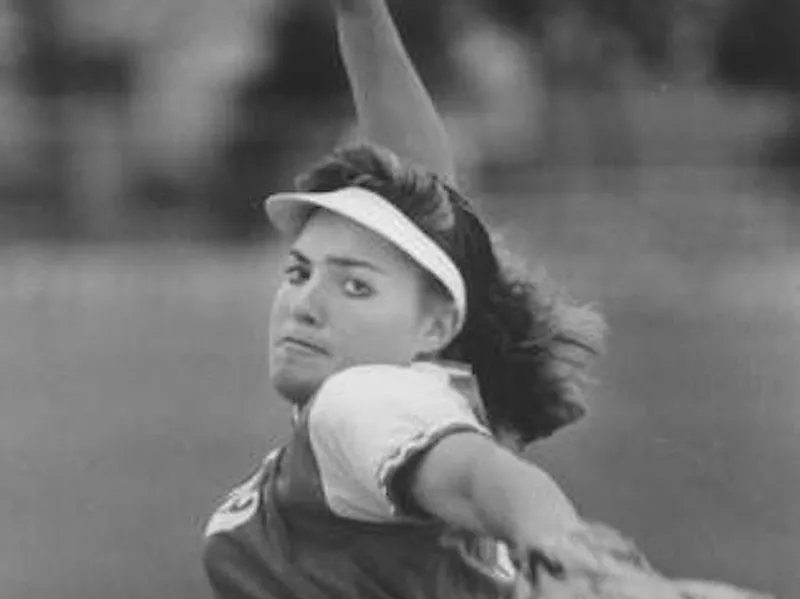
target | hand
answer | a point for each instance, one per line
(595, 561)
(589, 549)
(557, 557)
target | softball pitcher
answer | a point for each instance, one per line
(419, 365)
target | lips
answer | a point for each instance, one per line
(302, 344)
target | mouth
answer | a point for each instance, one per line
(302, 344)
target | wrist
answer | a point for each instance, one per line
(554, 530)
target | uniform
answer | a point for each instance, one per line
(327, 515)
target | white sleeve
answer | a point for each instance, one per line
(367, 422)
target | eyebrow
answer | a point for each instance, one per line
(341, 261)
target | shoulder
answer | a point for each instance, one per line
(369, 375)
(367, 422)
(383, 389)
(384, 380)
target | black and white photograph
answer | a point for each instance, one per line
(399, 299)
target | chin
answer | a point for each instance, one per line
(296, 388)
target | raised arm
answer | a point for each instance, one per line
(394, 109)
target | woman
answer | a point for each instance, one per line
(414, 360)
(394, 468)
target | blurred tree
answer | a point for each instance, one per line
(81, 90)
(758, 45)
(593, 56)
(272, 110)
(646, 25)
(43, 76)
(582, 54)
(99, 93)
(584, 51)
(758, 48)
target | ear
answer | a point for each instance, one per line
(438, 328)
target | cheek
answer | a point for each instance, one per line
(279, 311)
(381, 332)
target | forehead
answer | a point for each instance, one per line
(327, 233)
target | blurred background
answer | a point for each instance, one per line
(645, 152)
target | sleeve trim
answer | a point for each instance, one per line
(414, 446)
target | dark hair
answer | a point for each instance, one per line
(528, 344)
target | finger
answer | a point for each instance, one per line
(538, 559)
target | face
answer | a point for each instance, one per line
(348, 297)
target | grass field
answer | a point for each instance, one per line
(134, 393)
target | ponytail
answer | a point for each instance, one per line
(529, 344)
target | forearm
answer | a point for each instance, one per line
(393, 106)
(517, 501)
(471, 482)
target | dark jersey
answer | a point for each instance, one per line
(311, 523)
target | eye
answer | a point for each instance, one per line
(296, 274)
(357, 288)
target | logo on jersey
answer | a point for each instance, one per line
(239, 505)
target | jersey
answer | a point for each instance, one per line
(328, 515)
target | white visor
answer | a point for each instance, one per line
(289, 211)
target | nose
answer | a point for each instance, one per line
(308, 303)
